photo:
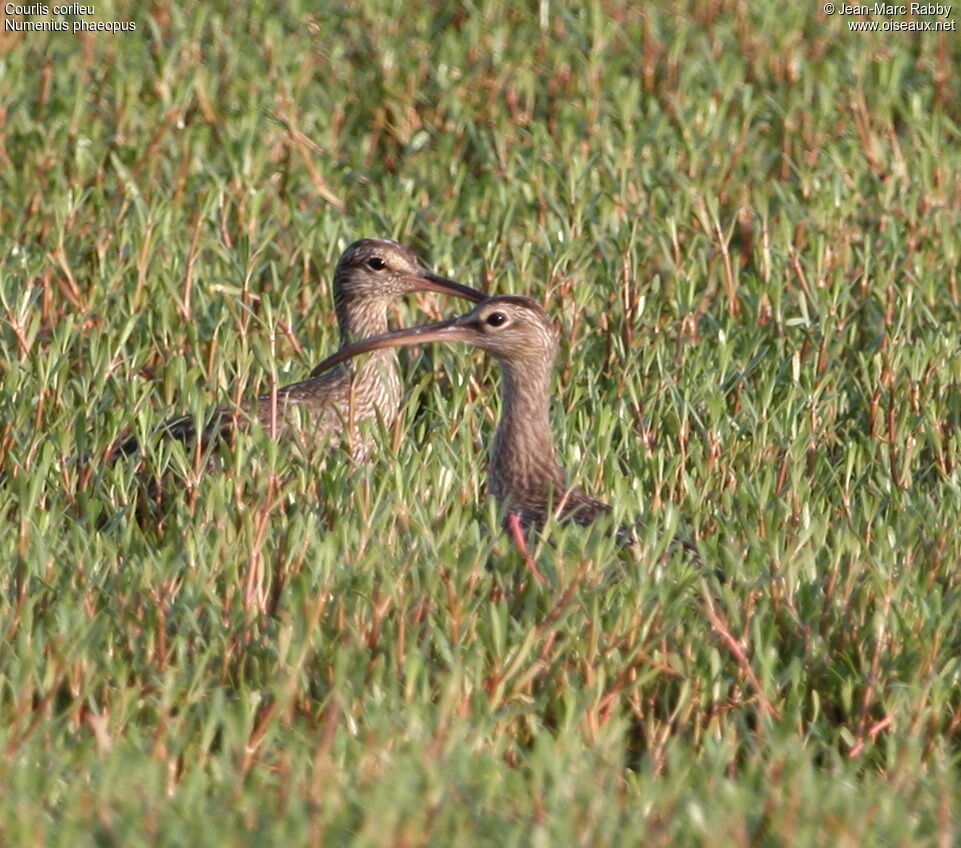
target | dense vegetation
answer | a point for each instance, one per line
(746, 221)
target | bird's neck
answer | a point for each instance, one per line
(360, 319)
(522, 464)
(525, 411)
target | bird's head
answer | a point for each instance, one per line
(510, 327)
(379, 269)
(515, 330)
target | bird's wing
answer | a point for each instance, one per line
(181, 428)
(324, 399)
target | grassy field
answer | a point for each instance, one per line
(746, 220)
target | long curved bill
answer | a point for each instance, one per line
(451, 330)
(429, 281)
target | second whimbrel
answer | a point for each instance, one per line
(370, 274)
(524, 476)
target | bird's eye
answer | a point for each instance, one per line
(376, 263)
(495, 319)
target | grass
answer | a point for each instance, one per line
(746, 220)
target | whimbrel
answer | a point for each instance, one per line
(370, 274)
(524, 476)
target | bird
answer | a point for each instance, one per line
(524, 476)
(370, 274)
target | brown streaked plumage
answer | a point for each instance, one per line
(370, 274)
(524, 475)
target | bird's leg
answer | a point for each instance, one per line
(517, 534)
